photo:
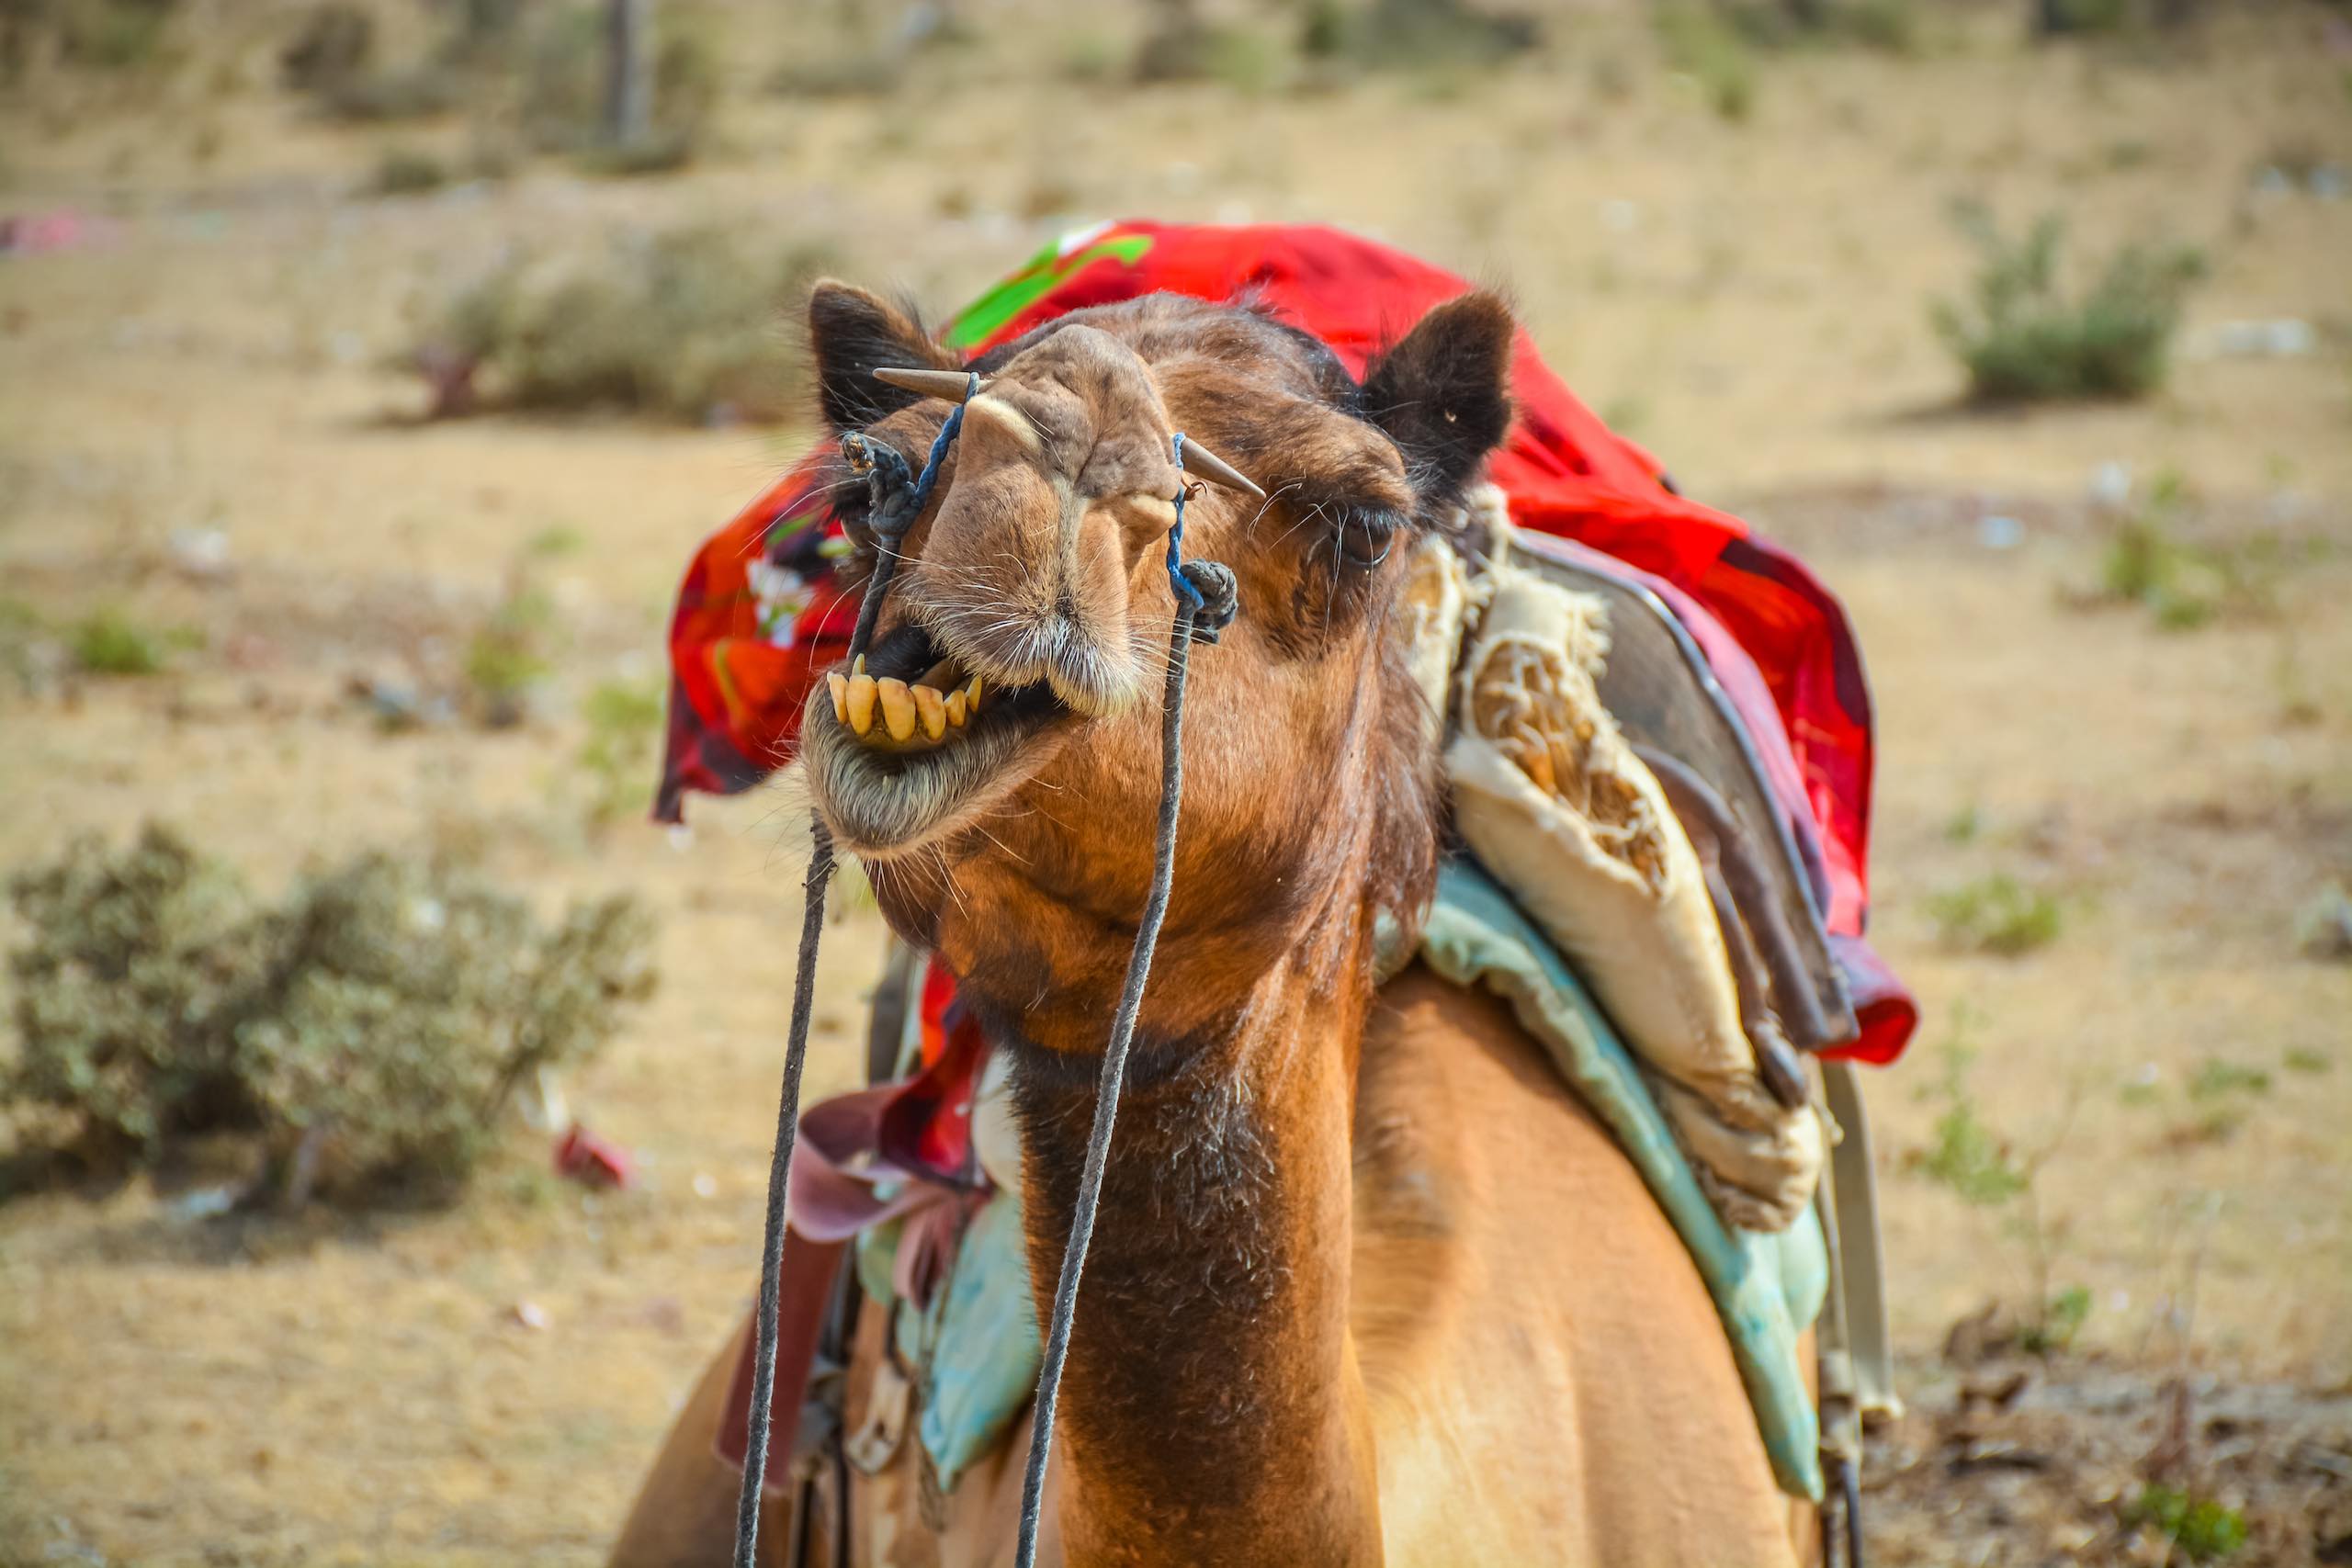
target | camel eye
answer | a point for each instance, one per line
(1365, 537)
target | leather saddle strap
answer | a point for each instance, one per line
(1861, 1272)
(806, 1281)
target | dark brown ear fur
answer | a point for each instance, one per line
(851, 332)
(1444, 393)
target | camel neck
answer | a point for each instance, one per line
(1212, 1411)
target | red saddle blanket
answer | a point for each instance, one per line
(759, 617)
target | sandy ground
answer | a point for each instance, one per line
(1747, 300)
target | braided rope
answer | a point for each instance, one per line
(1191, 603)
(787, 1125)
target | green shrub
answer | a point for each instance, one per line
(1702, 44)
(1892, 25)
(1889, 25)
(1089, 57)
(1969, 1160)
(2204, 1529)
(2023, 338)
(2146, 562)
(103, 35)
(1413, 34)
(1982, 1169)
(624, 725)
(378, 1017)
(403, 171)
(2058, 1324)
(511, 651)
(683, 324)
(2054, 19)
(1999, 914)
(107, 641)
(2216, 1078)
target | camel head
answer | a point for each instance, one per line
(1000, 777)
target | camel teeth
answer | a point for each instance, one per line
(957, 707)
(972, 693)
(897, 708)
(932, 708)
(860, 702)
(838, 684)
(858, 667)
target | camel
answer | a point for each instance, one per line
(1369, 1285)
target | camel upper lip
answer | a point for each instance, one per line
(883, 795)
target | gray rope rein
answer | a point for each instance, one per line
(1206, 603)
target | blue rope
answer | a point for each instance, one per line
(896, 514)
(939, 445)
(1187, 596)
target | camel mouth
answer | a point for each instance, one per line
(908, 747)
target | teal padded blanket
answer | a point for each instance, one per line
(979, 1339)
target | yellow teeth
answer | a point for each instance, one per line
(894, 715)
(858, 703)
(932, 708)
(898, 709)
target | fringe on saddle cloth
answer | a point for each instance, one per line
(1558, 808)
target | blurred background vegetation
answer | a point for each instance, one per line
(369, 369)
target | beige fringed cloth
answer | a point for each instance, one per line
(1558, 810)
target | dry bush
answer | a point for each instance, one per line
(540, 70)
(365, 1032)
(686, 324)
(2023, 337)
(1702, 44)
(1414, 34)
(562, 79)
(334, 44)
(98, 35)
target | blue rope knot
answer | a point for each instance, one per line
(1205, 591)
(897, 499)
(899, 495)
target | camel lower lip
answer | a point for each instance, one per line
(882, 797)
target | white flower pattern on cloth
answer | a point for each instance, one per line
(781, 593)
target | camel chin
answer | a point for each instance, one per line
(913, 746)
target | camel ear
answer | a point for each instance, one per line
(1444, 393)
(851, 333)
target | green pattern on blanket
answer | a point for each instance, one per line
(981, 1334)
